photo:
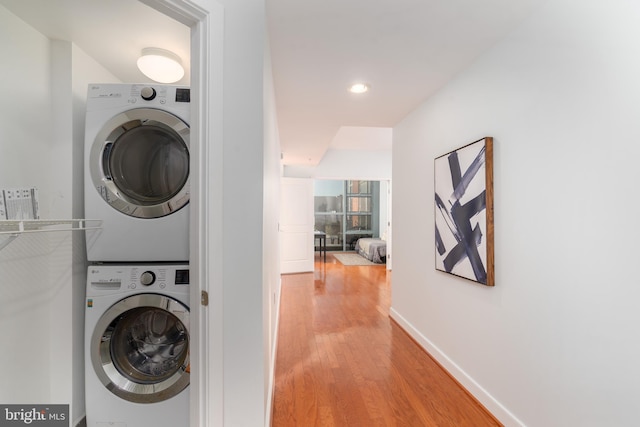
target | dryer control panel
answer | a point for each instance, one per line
(102, 96)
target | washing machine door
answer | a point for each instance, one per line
(140, 348)
(139, 163)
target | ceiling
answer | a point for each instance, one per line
(113, 32)
(404, 49)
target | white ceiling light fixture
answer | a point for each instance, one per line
(160, 65)
(359, 88)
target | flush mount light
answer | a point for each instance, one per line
(359, 88)
(160, 65)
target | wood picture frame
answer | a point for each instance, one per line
(464, 229)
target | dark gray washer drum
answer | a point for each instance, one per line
(140, 348)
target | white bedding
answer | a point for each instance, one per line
(373, 249)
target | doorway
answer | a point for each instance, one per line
(346, 210)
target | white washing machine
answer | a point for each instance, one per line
(137, 345)
(136, 176)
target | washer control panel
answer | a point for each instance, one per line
(110, 278)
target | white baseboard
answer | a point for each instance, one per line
(476, 390)
(272, 367)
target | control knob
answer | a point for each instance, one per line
(148, 93)
(147, 278)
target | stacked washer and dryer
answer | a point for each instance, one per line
(137, 301)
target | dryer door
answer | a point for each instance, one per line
(140, 348)
(140, 163)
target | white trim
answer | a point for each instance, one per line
(274, 352)
(476, 390)
(207, 233)
(206, 19)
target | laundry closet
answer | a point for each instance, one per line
(44, 87)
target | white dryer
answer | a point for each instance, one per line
(137, 346)
(137, 172)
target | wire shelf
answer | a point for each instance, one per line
(11, 229)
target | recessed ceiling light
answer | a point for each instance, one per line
(359, 88)
(160, 65)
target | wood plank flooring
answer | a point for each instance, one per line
(341, 361)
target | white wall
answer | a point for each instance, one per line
(25, 122)
(271, 242)
(555, 342)
(43, 275)
(372, 165)
(25, 105)
(242, 202)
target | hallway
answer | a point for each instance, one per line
(341, 361)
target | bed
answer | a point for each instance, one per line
(373, 249)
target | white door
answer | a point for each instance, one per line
(296, 225)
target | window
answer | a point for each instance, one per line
(346, 211)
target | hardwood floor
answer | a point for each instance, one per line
(341, 361)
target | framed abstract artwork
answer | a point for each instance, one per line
(463, 181)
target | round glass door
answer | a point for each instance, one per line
(140, 348)
(140, 163)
